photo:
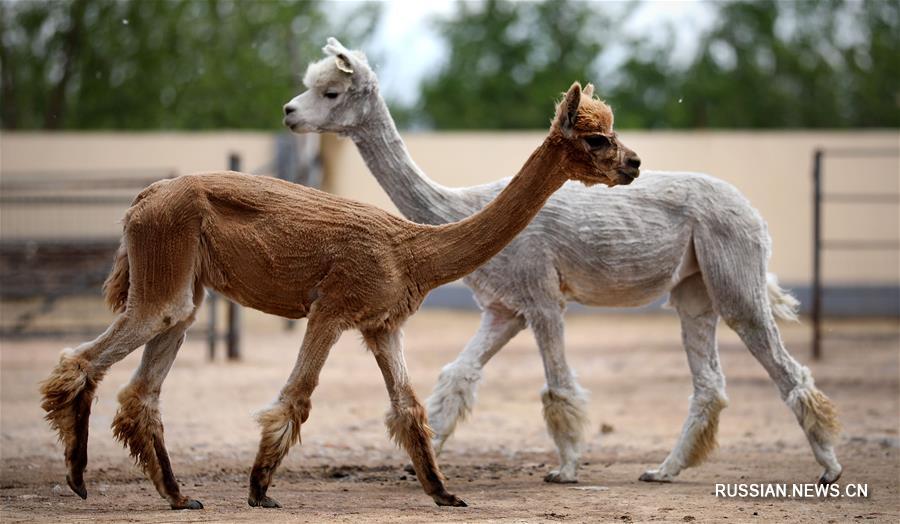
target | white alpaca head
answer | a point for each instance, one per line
(341, 90)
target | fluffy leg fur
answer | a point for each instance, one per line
(280, 423)
(453, 396)
(565, 401)
(817, 416)
(69, 390)
(698, 331)
(138, 424)
(67, 397)
(406, 421)
(565, 413)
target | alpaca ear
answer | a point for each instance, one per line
(589, 90)
(569, 114)
(340, 53)
(343, 63)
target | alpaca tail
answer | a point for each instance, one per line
(115, 289)
(783, 304)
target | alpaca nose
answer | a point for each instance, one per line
(634, 161)
(288, 109)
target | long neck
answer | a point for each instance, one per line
(447, 252)
(419, 198)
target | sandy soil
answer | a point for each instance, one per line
(347, 470)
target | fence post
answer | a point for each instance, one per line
(233, 340)
(817, 256)
(211, 328)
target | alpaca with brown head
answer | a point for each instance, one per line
(297, 252)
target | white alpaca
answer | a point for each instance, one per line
(689, 235)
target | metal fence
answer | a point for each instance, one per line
(822, 244)
(40, 267)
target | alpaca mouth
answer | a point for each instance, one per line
(627, 176)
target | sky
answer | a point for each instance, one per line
(405, 48)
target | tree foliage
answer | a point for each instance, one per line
(204, 64)
(763, 64)
(137, 64)
(508, 59)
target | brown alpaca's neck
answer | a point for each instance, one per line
(448, 252)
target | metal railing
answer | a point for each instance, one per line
(820, 245)
(37, 262)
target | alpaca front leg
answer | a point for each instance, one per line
(564, 400)
(406, 421)
(138, 424)
(453, 396)
(280, 430)
(281, 423)
(565, 413)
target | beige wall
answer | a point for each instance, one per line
(771, 168)
(87, 155)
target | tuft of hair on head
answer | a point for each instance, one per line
(592, 114)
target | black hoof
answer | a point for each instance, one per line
(448, 499)
(265, 502)
(647, 477)
(555, 478)
(823, 480)
(79, 489)
(189, 504)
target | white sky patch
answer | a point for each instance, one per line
(406, 47)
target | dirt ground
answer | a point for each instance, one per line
(347, 470)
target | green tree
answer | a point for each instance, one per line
(177, 64)
(508, 60)
(774, 64)
(762, 64)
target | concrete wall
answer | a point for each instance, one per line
(109, 155)
(771, 168)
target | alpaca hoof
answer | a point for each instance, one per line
(449, 499)
(654, 475)
(79, 489)
(265, 502)
(188, 504)
(830, 477)
(557, 477)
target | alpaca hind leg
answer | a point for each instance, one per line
(736, 281)
(281, 422)
(564, 400)
(698, 332)
(68, 392)
(406, 420)
(814, 411)
(138, 424)
(453, 396)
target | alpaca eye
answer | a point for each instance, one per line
(597, 141)
(332, 95)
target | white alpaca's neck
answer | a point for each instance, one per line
(418, 197)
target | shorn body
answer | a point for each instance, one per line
(689, 235)
(298, 252)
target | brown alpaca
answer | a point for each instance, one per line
(297, 252)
